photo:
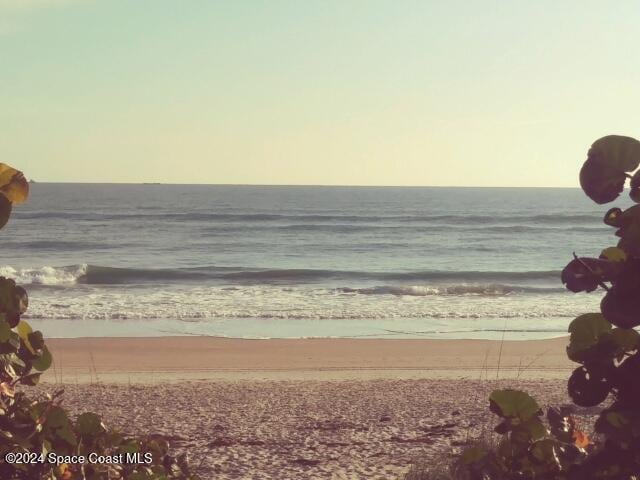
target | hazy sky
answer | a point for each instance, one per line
(367, 92)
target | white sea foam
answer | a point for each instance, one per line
(189, 303)
(45, 275)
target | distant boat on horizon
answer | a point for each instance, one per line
(152, 183)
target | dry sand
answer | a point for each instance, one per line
(304, 409)
(152, 360)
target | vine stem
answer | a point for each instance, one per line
(600, 282)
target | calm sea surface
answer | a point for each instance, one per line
(247, 261)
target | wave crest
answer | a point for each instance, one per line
(99, 275)
(46, 275)
(423, 291)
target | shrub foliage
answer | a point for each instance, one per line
(603, 344)
(38, 437)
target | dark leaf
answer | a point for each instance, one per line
(5, 210)
(604, 173)
(32, 379)
(588, 389)
(43, 362)
(612, 217)
(585, 274)
(89, 425)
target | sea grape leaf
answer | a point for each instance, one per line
(89, 425)
(620, 424)
(601, 182)
(43, 362)
(36, 340)
(11, 345)
(513, 404)
(626, 380)
(13, 298)
(529, 431)
(621, 304)
(24, 330)
(543, 451)
(13, 184)
(58, 423)
(585, 274)
(32, 379)
(630, 239)
(635, 187)
(503, 428)
(604, 173)
(629, 230)
(5, 210)
(612, 217)
(21, 299)
(617, 419)
(614, 254)
(586, 331)
(5, 330)
(626, 339)
(586, 388)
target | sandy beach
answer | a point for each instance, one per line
(303, 409)
(151, 360)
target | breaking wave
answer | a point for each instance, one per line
(499, 281)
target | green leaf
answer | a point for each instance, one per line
(58, 423)
(43, 362)
(543, 451)
(604, 173)
(528, 431)
(11, 345)
(513, 404)
(614, 254)
(5, 330)
(24, 330)
(586, 331)
(617, 419)
(89, 424)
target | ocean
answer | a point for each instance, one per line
(292, 262)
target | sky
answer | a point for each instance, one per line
(331, 92)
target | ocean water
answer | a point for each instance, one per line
(268, 261)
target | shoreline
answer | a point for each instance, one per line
(175, 359)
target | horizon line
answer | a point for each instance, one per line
(36, 182)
